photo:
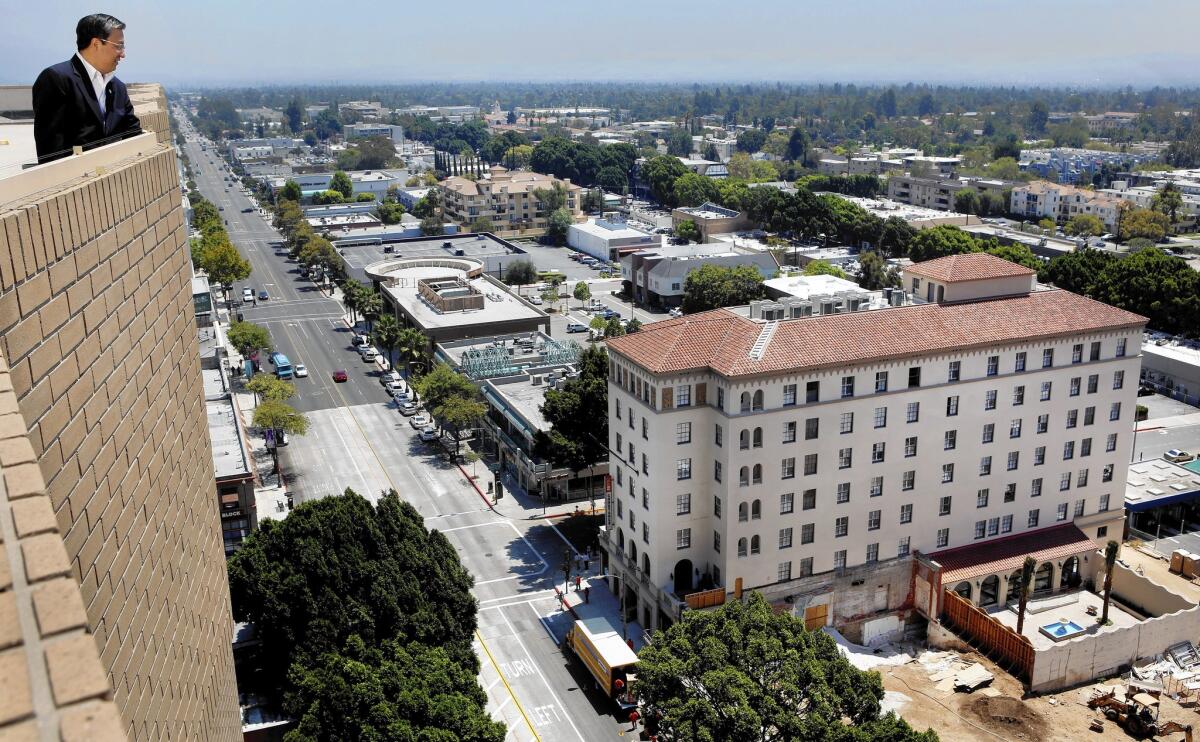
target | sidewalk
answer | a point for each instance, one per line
(600, 602)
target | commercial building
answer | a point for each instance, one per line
(1171, 366)
(1042, 199)
(1073, 165)
(363, 131)
(606, 238)
(507, 199)
(939, 193)
(656, 276)
(1110, 121)
(375, 182)
(231, 461)
(810, 458)
(918, 217)
(452, 298)
(112, 555)
(513, 373)
(711, 219)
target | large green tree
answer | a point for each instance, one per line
(661, 172)
(341, 183)
(713, 286)
(577, 411)
(746, 672)
(520, 273)
(940, 241)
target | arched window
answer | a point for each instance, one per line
(758, 437)
(754, 545)
(646, 564)
(1042, 578)
(756, 509)
(758, 473)
(963, 589)
(621, 539)
(744, 439)
(1070, 577)
(742, 509)
(633, 554)
(1014, 587)
(989, 590)
(758, 400)
(744, 476)
(745, 401)
(741, 547)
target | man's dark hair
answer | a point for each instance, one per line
(95, 26)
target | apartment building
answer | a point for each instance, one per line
(1042, 199)
(811, 458)
(114, 602)
(508, 199)
(939, 193)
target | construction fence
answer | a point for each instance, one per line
(1008, 648)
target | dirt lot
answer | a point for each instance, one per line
(1059, 717)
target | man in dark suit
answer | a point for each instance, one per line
(80, 102)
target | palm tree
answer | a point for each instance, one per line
(411, 344)
(1110, 561)
(371, 307)
(386, 335)
(1026, 582)
(353, 294)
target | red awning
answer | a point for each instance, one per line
(1006, 555)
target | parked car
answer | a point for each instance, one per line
(247, 211)
(408, 409)
(428, 433)
(537, 300)
(368, 353)
(262, 295)
(359, 338)
(300, 371)
(247, 294)
(1177, 456)
(390, 377)
(576, 327)
(393, 387)
(676, 312)
(419, 421)
(607, 313)
(339, 375)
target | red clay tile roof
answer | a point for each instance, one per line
(721, 340)
(1005, 556)
(976, 266)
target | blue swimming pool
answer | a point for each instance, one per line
(1192, 465)
(1061, 629)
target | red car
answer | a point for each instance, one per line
(339, 375)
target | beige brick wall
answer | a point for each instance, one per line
(97, 326)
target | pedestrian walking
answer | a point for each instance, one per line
(587, 594)
(577, 579)
(633, 720)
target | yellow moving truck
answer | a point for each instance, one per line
(610, 660)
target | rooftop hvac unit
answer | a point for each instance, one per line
(481, 237)
(536, 380)
(897, 299)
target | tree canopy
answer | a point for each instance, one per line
(713, 286)
(745, 672)
(577, 411)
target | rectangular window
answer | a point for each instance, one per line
(841, 526)
(1035, 487)
(811, 426)
(989, 399)
(906, 513)
(1072, 418)
(788, 468)
(845, 458)
(981, 498)
(1079, 506)
(881, 381)
(846, 424)
(1094, 351)
(989, 432)
(717, 542)
(683, 395)
(1032, 520)
(1118, 379)
(620, 445)
(1014, 428)
(1075, 386)
(808, 533)
(1039, 455)
(1089, 415)
(1093, 383)
(1018, 397)
(943, 538)
(787, 503)
(1103, 503)
(1064, 482)
(952, 406)
(872, 553)
(716, 506)
(912, 413)
(985, 466)
(645, 533)
(914, 377)
(839, 559)
(993, 526)
(1077, 353)
(683, 433)
(908, 480)
(809, 500)
(876, 486)
(785, 538)
(1110, 444)
(717, 468)
(645, 429)
(877, 452)
(1019, 363)
(1085, 447)
(1120, 347)
(947, 473)
(683, 504)
(1081, 479)
(980, 528)
(950, 440)
(645, 499)
(683, 469)
(810, 464)
(789, 395)
(1043, 423)
(880, 417)
(683, 538)
(873, 519)
(1014, 460)
(806, 566)
(903, 548)
(1114, 411)
(954, 373)
(812, 392)
(1045, 396)
(618, 409)
(1010, 492)
(632, 455)
(784, 572)
(645, 464)
(718, 436)
(1061, 512)
(847, 386)
(944, 505)
(993, 365)
(1047, 357)
(843, 492)
(720, 398)
(910, 446)
(1006, 524)
(789, 432)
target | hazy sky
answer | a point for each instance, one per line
(1022, 42)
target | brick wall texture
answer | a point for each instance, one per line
(98, 332)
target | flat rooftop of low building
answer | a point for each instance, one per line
(610, 229)
(709, 211)
(228, 445)
(884, 208)
(454, 351)
(500, 304)
(1157, 482)
(1177, 349)
(524, 397)
(802, 287)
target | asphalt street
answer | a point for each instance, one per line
(357, 439)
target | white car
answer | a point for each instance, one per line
(676, 312)
(419, 421)
(536, 300)
(300, 371)
(388, 378)
(368, 353)
(428, 433)
(408, 409)
(394, 387)
(247, 294)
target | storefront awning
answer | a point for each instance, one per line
(1006, 555)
